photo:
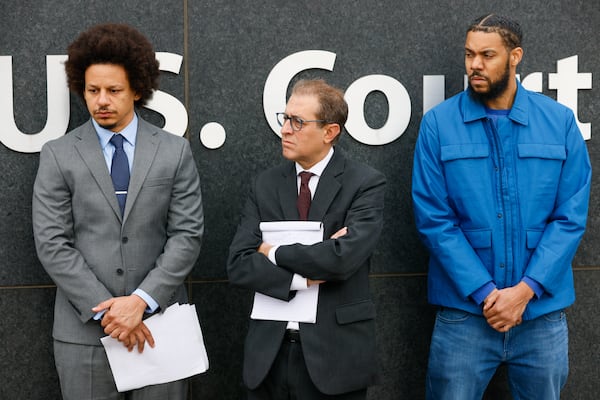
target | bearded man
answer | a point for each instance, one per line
(501, 185)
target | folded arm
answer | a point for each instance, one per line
(340, 256)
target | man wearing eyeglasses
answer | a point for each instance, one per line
(335, 357)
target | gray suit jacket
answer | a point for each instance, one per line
(89, 251)
(340, 348)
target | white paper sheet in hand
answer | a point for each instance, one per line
(178, 353)
(303, 307)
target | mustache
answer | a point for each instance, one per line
(476, 73)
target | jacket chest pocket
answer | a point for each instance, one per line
(539, 167)
(542, 156)
(466, 169)
(158, 183)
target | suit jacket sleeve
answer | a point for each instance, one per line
(54, 238)
(248, 268)
(185, 227)
(338, 259)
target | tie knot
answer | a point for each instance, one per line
(117, 141)
(305, 177)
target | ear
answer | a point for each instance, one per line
(137, 97)
(516, 55)
(331, 132)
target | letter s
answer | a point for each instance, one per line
(176, 116)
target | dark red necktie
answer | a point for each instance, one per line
(303, 202)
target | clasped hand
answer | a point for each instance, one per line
(504, 308)
(122, 320)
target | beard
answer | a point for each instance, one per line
(496, 88)
(109, 127)
(106, 125)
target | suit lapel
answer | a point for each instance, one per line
(288, 193)
(146, 146)
(327, 188)
(89, 149)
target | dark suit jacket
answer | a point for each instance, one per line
(89, 250)
(340, 348)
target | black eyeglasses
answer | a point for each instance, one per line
(295, 122)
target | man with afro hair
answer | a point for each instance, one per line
(117, 215)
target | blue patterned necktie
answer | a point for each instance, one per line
(119, 171)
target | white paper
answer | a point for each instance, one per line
(303, 307)
(178, 353)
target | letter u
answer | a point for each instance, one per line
(57, 121)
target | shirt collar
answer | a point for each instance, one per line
(474, 110)
(129, 132)
(318, 168)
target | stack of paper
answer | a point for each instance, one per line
(303, 307)
(178, 353)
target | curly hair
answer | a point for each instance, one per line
(508, 29)
(117, 44)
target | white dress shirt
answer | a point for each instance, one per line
(298, 281)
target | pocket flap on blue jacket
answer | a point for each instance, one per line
(547, 151)
(479, 239)
(467, 150)
(353, 312)
(533, 238)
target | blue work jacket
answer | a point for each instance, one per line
(498, 204)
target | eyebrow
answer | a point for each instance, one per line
(294, 116)
(92, 85)
(486, 50)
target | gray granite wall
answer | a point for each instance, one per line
(229, 47)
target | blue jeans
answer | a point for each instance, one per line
(465, 352)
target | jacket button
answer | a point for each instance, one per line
(120, 271)
(499, 215)
(124, 239)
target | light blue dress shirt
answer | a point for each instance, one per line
(129, 135)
